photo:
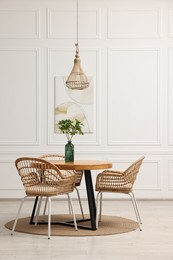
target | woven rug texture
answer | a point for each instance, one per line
(109, 225)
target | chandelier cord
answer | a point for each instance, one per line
(77, 38)
(77, 80)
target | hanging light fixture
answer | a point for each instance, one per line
(77, 78)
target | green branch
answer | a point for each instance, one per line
(70, 128)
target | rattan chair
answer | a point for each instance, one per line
(118, 182)
(78, 174)
(43, 179)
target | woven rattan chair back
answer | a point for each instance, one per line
(55, 157)
(40, 177)
(52, 157)
(131, 172)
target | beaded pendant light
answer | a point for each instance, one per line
(77, 79)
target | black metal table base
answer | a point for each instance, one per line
(91, 198)
(33, 211)
(67, 223)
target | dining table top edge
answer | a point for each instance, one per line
(82, 164)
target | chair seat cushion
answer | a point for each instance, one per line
(47, 190)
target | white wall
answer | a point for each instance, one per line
(127, 46)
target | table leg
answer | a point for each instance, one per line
(91, 198)
(33, 211)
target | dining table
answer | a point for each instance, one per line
(86, 166)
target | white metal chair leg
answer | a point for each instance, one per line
(136, 212)
(18, 213)
(49, 217)
(101, 197)
(97, 208)
(71, 206)
(80, 204)
(45, 206)
(137, 207)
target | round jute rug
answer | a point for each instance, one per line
(109, 225)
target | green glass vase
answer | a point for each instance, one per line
(69, 152)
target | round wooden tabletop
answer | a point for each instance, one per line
(82, 164)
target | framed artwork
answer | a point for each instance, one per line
(74, 104)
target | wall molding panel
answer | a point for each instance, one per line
(170, 22)
(8, 167)
(25, 120)
(122, 94)
(129, 23)
(19, 24)
(170, 175)
(126, 47)
(58, 19)
(170, 96)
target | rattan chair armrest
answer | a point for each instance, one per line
(110, 180)
(111, 177)
(112, 172)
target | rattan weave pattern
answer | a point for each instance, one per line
(117, 181)
(41, 178)
(55, 157)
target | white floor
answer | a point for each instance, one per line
(154, 242)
